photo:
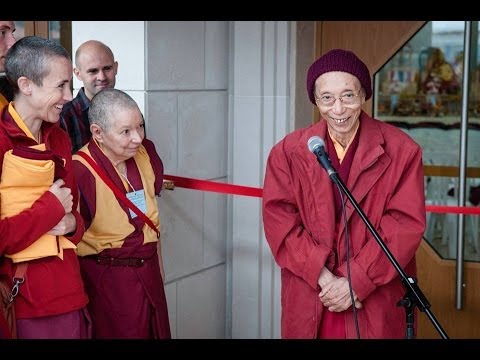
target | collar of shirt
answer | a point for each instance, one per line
(339, 148)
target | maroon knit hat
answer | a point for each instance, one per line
(339, 60)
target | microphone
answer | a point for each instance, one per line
(316, 145)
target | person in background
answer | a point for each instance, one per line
(96, 68)
(120, 254)
(51, 302)
(7, 39)
(305, 226)
(439, 79)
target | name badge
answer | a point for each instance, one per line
(138, 199)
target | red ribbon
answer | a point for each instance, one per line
(214, 186)
(467, 210)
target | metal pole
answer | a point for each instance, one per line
(463, 163)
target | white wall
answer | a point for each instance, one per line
(260, 101)
(186, 107)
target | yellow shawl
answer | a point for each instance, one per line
(23, 181)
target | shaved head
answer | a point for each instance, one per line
(91, 47)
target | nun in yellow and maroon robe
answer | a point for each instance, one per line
(119, 253)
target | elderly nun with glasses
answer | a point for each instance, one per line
(337, 282)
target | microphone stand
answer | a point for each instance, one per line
(414, 296)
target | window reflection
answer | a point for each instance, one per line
(420, 91)
(423, 79)
(54, 30)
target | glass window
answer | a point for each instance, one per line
(420, 91)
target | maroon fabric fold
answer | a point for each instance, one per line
(35, 154)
